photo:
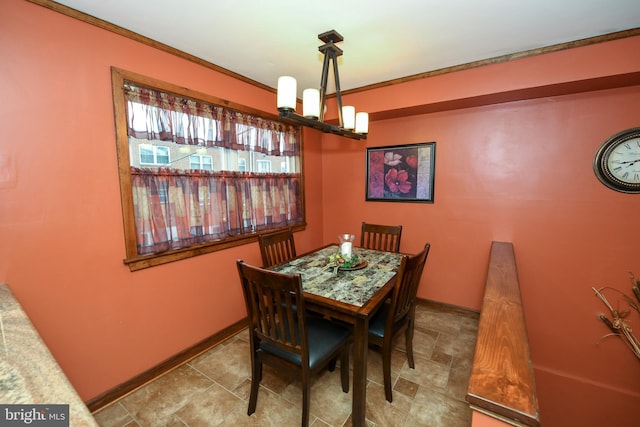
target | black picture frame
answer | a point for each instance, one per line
(401, 173)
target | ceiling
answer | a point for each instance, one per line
(383, 40)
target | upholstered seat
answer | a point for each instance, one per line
(325, 340)
(379, 321)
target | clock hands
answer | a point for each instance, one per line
(631, 162)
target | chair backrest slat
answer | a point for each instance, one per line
(381, 237)
(275, 308)
(407, 282)
(276, 248)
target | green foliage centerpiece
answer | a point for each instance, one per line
(339, 261)
(345, 258)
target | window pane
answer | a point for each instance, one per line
(263, 166)
(162, 155)
(207, 163)
(194, 162)
(146, 155)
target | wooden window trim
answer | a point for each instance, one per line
(133, 260)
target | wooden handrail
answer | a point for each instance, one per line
(502, 383)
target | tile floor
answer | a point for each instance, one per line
(213, 389)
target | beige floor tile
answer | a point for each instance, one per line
(406, 387)
(423, 342)
(328, 401)
(229, 365)
(458, 345)
(459, 378)
(210, 407)
(113, 416)
(213, 389)
(383, 413)
(271, 411)
(427, 373)
(374, 365)
(154, 404)
(433, 409)
(449, 323)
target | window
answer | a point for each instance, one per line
(196, 176)
(263, 165)
(197, 161)
(153, 155)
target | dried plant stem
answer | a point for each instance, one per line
(618, 326)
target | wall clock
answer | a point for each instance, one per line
(617, 161)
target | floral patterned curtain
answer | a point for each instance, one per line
(176, 209)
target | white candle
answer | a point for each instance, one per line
(362, 122)
(345, 249)
(286, 93)
(349, 117)
(311, 103)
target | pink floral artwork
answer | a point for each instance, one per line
(401, 173)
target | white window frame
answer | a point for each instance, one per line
(260, 166)
(200, 161)
(155, 149)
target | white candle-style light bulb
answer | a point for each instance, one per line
(362, 122)
(349, 116)
(286, 93)
(311, 103)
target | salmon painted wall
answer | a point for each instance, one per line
(61, 233)
(519, 172)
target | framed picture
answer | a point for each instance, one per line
(401, 173)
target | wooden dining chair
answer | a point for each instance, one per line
(276, 248)
(381, 237)
(398, 315)
(282, 336)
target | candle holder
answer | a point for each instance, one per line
(345, 259)
(346, 245)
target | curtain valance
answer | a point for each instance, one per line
(153, 114)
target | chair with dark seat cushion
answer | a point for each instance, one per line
(277, 247)
(381, 237)
(398, 314)
(282, 336)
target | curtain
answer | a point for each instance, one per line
(153, 114)
(175, 210)
(178, 208)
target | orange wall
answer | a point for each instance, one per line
(518, 171)
(61, 235)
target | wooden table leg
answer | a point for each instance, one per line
(360, 350)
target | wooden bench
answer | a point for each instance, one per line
(502, 384)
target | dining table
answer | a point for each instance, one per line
(351, 295)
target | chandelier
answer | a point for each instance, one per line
(351, 125)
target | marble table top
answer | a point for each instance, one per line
(354, 287)
(29, 375)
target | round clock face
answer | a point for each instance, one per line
(617, 162)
